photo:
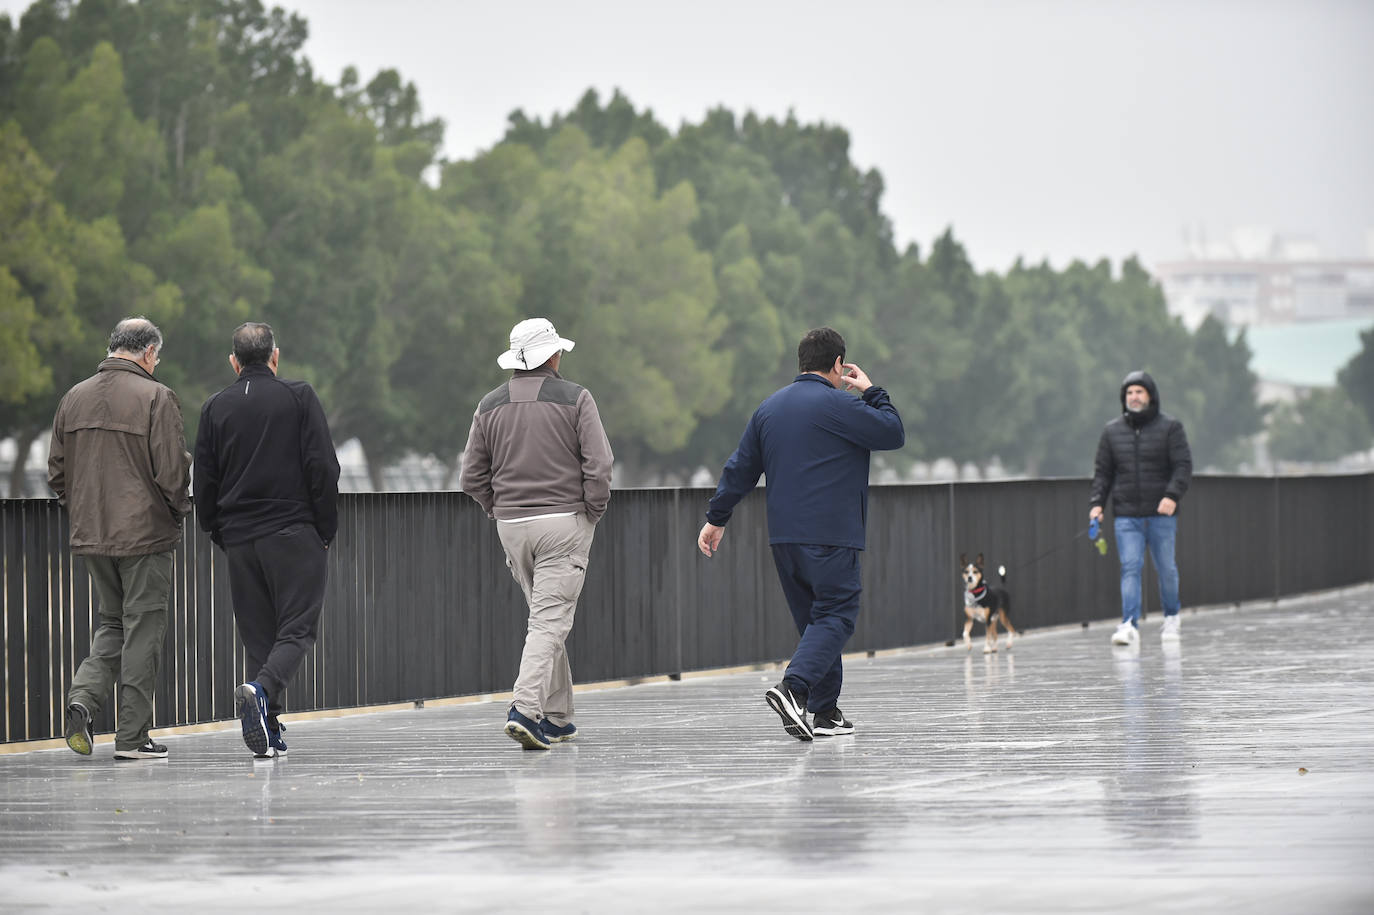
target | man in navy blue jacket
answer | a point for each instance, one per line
(813, 442)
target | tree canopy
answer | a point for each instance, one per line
(180, 159)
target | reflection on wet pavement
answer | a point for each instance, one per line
(1061, 776)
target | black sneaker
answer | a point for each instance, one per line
(78, 729)
(791, 709)
(250, 705)
(831, 723)
(149, 750)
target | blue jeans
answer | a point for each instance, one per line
(822, 586)
(1132, 536)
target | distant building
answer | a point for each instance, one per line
(1290, 360)
(1258, 278)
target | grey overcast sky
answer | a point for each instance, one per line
(1043, 128)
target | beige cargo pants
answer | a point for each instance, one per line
(548, 559)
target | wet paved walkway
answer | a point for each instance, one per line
(1233, 774)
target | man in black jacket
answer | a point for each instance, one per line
(1144, 463)
(266, 482)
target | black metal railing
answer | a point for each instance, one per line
(420, 604)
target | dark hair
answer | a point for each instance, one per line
(253, 343)
(819, 349)
(134, 335)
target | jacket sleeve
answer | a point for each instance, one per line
(205, 481)
(1180, 463)
(871, 421)
(57, 457)
(321, 465)
(171, 462)
(1104, 471)
(597, 459)
(741, 474)
(475, 476)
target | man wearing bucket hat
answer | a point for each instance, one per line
(539, 463)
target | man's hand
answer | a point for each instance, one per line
(708, 541)
(1167, 506)
(1095, 514)
(855, 377)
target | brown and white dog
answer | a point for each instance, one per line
(984, 603)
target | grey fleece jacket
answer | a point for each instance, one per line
(537, 447)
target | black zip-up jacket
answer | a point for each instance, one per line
(1141, 457)
(264, 460)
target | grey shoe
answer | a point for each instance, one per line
(78, 729)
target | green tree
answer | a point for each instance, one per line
(37, 290)
(1356, 377)
(1325, 425)
(1218, 388)
(600, 252)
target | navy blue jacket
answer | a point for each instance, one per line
(813, 443)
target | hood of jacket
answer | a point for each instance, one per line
(1152, 409)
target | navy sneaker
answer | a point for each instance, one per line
(554, 734)
(831, 723)
(276, 744)
(78, 729)
(791, 708)
(250, 704)
(149, 750)
(525, 732)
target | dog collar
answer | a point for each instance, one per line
(979, 591)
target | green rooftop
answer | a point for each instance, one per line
(1306, 353)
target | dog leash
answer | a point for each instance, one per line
(1092, 531)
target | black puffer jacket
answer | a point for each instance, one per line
(1141, 457)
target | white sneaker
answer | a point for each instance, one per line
(1125, 634)
(1170, 631)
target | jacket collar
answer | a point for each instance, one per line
(117, 364)
(254, 370)
(542, 370)
(812, 376)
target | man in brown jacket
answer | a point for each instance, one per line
(538, 461)
(118, 463)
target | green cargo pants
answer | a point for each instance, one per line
(133, 594)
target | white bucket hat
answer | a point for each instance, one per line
(532, 342)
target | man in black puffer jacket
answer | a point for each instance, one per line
(1143, 462)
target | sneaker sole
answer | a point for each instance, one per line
(564, 739)
(793, 725)
(77, 738)
(523, 737)
(832, 732)
(254, 730)
(136, 755)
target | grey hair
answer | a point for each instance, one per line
(253, 343)
(134, 335)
